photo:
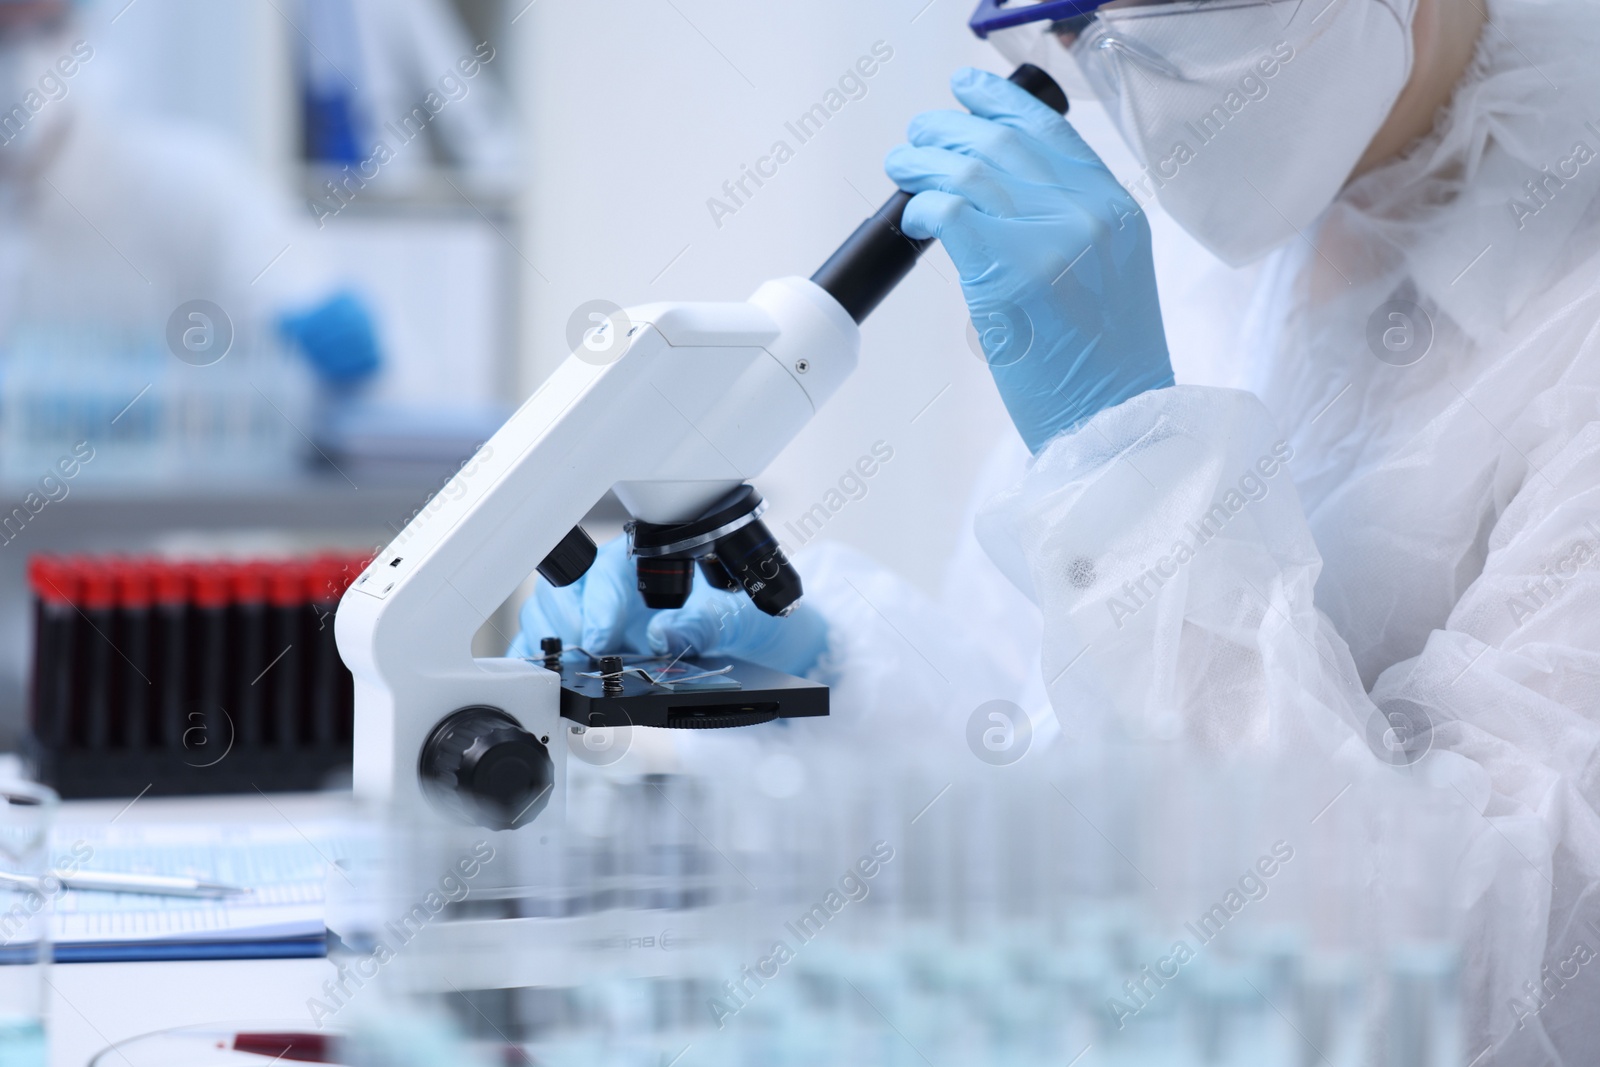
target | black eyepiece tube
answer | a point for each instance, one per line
(875, 258)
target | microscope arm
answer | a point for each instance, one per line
(700, 398)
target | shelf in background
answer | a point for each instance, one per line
(315, 501)
(441, 189)
(104, 514)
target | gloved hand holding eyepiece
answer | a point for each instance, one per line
(1054, 254)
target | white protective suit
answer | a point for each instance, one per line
(1269, 572)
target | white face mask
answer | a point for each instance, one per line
(1248, 114)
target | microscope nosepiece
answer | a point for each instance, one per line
(756, 561)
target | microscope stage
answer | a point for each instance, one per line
(713, 692)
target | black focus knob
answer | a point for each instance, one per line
(480, 766)
(611, 675)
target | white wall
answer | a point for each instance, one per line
(639, 110)
(637, 120)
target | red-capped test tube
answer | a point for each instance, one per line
(56, 623)
(98, 714)
(286, 600)
(325, 584)
(135, 686)
(250, 681)
(170, 654)
(208, 729)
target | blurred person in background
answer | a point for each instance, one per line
(112, 224)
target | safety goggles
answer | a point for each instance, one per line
(1072, 39)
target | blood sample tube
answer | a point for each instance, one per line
(310, 1048)
(286, 601)
(55, 626)
(347, 681)
(250, 679)
(170, 616)
(100, 657)
(324, 586)
(134, 688)
(208, 727)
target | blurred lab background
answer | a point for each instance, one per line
(277, 267)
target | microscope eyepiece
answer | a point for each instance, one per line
(878, 256)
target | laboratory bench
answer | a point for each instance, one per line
(93, 1005)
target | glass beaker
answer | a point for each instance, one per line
(28, 888)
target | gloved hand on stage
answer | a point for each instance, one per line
(603, 612)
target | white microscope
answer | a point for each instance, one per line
(694, 400)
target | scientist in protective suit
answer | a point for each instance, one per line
(1396, 529)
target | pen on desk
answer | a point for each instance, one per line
(112, 882)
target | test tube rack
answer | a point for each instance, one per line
(188, 677)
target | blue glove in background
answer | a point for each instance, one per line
(1054, 254)
(604, 612)
(337, 337)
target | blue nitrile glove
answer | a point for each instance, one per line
(1054, 253)
(604, 612)
(337, 337)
